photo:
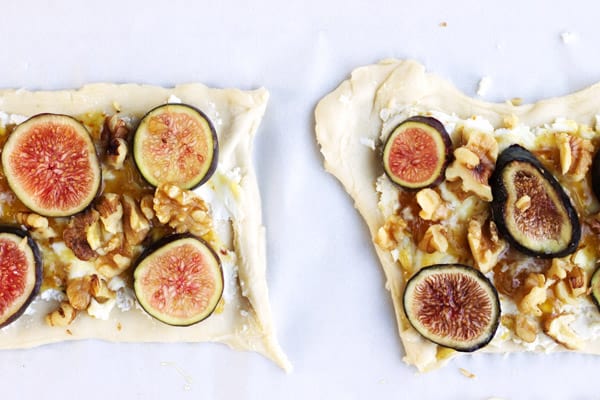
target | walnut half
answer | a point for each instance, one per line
(558, 328)
(62, 316)
(182, 210)
(432, 206)
(486, 246)
(474, 163)
(434, 239)
(575, 155)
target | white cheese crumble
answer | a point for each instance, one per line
(230, 275)
(485, 83)
(563, 125)
(79, 269)
(174, 99)
(53, 295)
(101, 310)
(221, 192)
(16, 119)
(125, 296)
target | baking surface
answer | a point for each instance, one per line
(333, 316)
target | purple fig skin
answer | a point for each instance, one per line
(38, 270)
(447, 154)
(596, 175)
(457, 268)
(518, 153)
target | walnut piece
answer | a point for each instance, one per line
(474, 163)
(115, 135)
(99, 289)
(523, 203)
(557, 327)
(135, 224)
(575, 155)
(112, 265)
(525, 329)
(577, 281)
(559, 268)
(146, 206)
(486, 246)
(535, 286)
(434, 239)
(37, 225)
(75, 234)
(432, 206)
(571, 280)
(111, 212)
(81, 291)
(117, 127)
(78, 292)
(563, 293)
(388, 236)
(62, 316)
(116, 152)
(182, 210)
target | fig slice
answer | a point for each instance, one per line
(530, 208)
(596, 175)
(179, 280)
(51, 165)
(417, 153)
(20, 273)
(452, 305)
(595, 287)
(177, 144)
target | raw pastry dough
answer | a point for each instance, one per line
(350, 125)
(245, 322)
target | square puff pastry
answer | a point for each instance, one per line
(245, 322)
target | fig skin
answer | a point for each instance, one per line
(447, 154)
(215, 149)
(95, 160)
(595, 287)
(487, 335)
(596, 175)
(37, 257)
(518, 153)
(166, 241)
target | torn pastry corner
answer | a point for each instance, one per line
(424, 355)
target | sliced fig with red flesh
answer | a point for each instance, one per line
(177, 144)
(179, 280)
(20, 273)
(453, 305)
(51, 165)
(417, 152)
(530, 207)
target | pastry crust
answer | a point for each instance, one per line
(349, 126)
(245, 322)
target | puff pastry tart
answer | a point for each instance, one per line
(484, 216)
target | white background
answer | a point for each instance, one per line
(334, 318)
